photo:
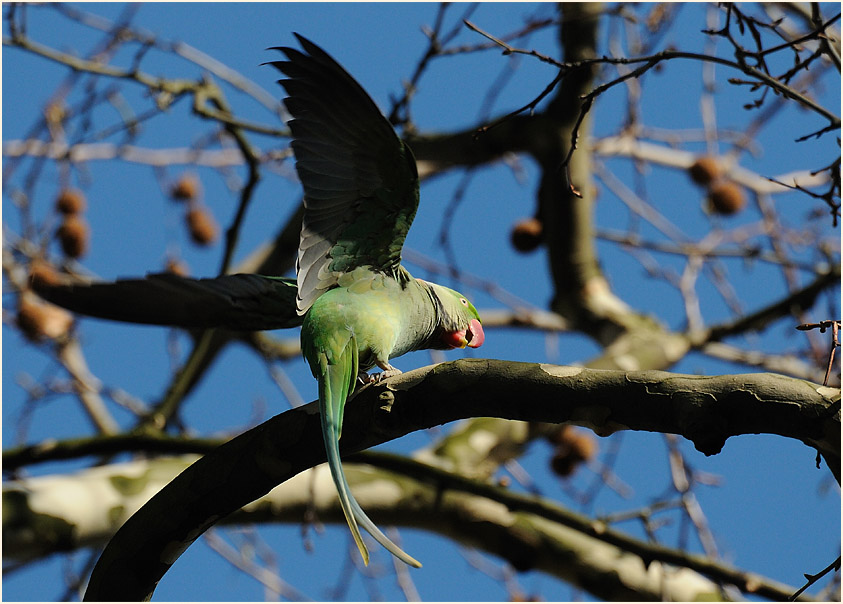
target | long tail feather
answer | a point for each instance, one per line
(333, 391)
(336, 382)
(364, 521)
(347, 501)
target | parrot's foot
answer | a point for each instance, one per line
(364, 379)
(388, 372)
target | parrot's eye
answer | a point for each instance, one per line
(463, 301)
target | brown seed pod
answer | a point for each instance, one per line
(38, 319)
(559, 434)
(705, 170)
(583, 446)
(74, 235)
(527, 234)
(42, 272)
(726, 198)
(202, 226)
(573, 447)
(563, 464)
(70, 201)
(186, 188)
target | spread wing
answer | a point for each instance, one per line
(360, 180)
(239, 302)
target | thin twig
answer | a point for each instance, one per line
(814, 578)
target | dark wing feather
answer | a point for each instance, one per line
(239, 302)
(360, 181)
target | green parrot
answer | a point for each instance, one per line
(361, 307)
(357, 305)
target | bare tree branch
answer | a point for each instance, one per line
(705, 410)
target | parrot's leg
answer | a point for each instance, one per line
(388, 372)
(364, 379)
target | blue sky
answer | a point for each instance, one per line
(773, 512)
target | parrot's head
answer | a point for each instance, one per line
(459, 323)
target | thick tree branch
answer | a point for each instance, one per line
(529, 532)
(706, 410)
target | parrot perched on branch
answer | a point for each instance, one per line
(357, 305)
(361, 307)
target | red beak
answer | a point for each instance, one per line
(475, 335)
(472, 337)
